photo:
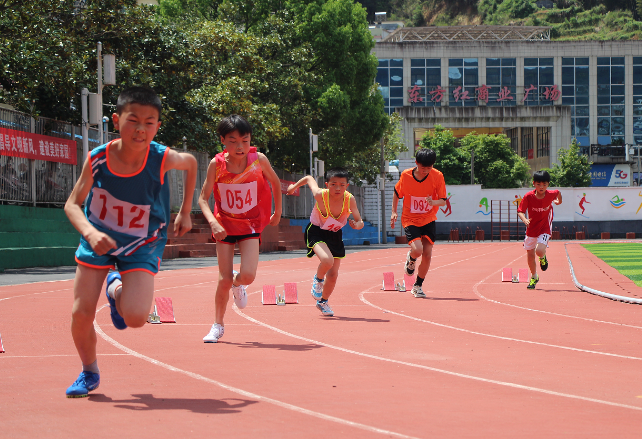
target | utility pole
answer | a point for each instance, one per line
(383, 195)
(99, 74)
(472, 166)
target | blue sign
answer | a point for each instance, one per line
(611, 175)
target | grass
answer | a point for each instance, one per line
(624, 257)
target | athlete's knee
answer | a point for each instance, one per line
(135, 320)
(416, 250)
(245, 278)
(82, 317)
(326, 263)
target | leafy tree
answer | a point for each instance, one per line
(496, 164)
(453, 162)
(573, 169)
(365, 165)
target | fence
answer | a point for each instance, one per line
(42, 182)
(38, 181)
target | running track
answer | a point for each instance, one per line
(477, 358)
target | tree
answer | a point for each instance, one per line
(453, 162)
(496, 164)
(366, 164)
(573, 169)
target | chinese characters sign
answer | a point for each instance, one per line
(36, 146)
(549, 93)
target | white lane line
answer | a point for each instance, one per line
(245, 393)
(57, 355)
(364, 300)
(433, 369)
(478, 294)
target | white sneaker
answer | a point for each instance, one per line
(325, 308)
(409, 267)
(417, 291)
(240, 295)
(317, 288)
(216, 332)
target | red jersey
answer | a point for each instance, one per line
(539, 211)
(243, 202)
(416, 211)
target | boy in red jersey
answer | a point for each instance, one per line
(538, 204)
(239, 178)
(423, 189)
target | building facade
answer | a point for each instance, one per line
(514, 80)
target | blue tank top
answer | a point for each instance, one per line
(132, 209)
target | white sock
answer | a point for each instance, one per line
(93, 367)
(113, 287)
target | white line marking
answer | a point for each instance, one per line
(245, 393)
(364, 300)
(58, 355)
(433, 369)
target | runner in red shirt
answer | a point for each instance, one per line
(538, 205)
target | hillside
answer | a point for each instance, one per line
(569, 19)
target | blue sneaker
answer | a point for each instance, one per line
(317, 288)
(116, 319)
(86, 382)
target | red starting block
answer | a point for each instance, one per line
(165, 310)
(389, 281)
(1, 347)
(290, 292)
(269, 295)
(408, 282)
(507, 275)
(524, 275)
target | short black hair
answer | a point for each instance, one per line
(542, 176)
(234, 122)
(426, 157)
(337, 173)
(141, 95)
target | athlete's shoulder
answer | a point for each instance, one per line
(99, 150)
(157, 147)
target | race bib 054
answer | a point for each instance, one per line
(238, 197)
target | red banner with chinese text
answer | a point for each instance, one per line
(37, 147)
(284, 187)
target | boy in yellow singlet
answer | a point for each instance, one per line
(323, 235)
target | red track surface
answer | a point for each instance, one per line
(477, 358)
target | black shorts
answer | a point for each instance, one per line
(334, 240)
(233, 239)
(428, 230)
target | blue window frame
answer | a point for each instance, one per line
(390, 80)
(575, 92)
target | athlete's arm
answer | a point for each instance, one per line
(183, 161)
(217, 229)
(395, 203)
(269, 173)
(358, 224)
(558, 200)
(310, 181)
(100, 242)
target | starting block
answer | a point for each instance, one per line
(290, 292)
(389, 281)
(153, 316)
(406, 285)
(524, 275)
(1, 347)
(508, 276)
(165, 310)
(269, 295)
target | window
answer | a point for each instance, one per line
(538, 81)
(425, 80)
(575, 92)
(500, 78)
(527, 143)
(513, 134)
(637, 100)
(543, 141)
(463, 79)
(610, 100)
(390, 80)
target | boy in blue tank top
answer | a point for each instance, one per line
(124, 224)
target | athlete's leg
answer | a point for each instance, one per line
(540, 250)
(225, 258)
(135, 299)
(331, 279)
(87, 288)
(249, 261)
(326, 260)
(530, 258)
(426, 256)
(416, 248)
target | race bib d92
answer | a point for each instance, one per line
(238, 197)
(420, 205)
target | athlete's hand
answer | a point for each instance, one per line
(100, 242)
(357, 225)
(182, 224)
(275, 218)
(291, 189)
(218, 231)
(393, 220)
(527, 221)
(429, 200)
